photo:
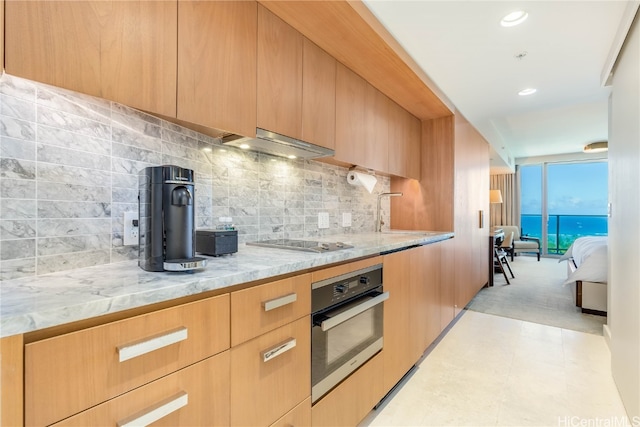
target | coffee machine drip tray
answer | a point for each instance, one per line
(185, 264)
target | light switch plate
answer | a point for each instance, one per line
(346, 219)
(323, 220)
(130, 234)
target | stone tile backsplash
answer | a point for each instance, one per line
(69, 168)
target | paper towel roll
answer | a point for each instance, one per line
(366, 180)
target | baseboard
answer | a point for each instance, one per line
(606, 332)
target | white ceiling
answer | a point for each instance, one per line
(463, 48)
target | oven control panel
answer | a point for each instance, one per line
(336, 289)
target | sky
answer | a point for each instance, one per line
(573, 188)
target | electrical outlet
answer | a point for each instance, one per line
(346, 219)
(323, 220)
(130, 234)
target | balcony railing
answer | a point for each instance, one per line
(562, 230)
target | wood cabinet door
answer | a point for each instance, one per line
(398, 144)
(318, 96)
(447, 296)
(68, 373)
(404, 142)
(300, 416)
(124, 51)
(376, 138)
(350, 116)
(351, 401)
(262, 390)
(399, 354)
(425, 296)
(263, 308)
(194, 396)
(217, 51)
(472, 197)
(414, 147)
(279, 75)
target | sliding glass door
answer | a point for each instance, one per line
(563, 201)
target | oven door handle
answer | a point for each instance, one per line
(352, 312)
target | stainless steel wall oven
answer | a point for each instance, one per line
(347, 313)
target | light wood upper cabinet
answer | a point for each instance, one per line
(351, 92)
(361, 122)
(279, 75)
(124, 51)
(404, 142)
(414, 147)
(296, 83)
(376, 136)
(318, 96)
(217, 51)
(373, 131)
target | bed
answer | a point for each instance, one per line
(587, 268)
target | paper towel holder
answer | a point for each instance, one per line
(367, 180)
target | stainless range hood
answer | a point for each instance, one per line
(277, 145)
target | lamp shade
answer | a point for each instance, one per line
(495, 196)
(596, 147)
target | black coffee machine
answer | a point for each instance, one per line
(166, 220)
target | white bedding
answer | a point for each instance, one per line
(590, 257)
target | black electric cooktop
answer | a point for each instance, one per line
(301, 245)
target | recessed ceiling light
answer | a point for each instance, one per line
(514, 18)
(528, 91)
(291, 156)
(245, 146)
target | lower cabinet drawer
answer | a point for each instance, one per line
(351, 400)
(271, 374)
(67, 374)
(300, 416)
(194, 396)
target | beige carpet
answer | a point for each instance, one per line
(536, 295)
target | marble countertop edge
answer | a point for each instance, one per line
(35, 303)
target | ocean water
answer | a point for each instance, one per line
(569, 225)
(562, 230)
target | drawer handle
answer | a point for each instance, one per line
(279, 302)
(278, 350)
(157, 411)
(148, 345)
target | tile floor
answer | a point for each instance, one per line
(496, 371)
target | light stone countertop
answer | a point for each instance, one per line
(33, 303)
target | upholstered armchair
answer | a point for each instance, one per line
(519, 244)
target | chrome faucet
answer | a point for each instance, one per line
(379, 221)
